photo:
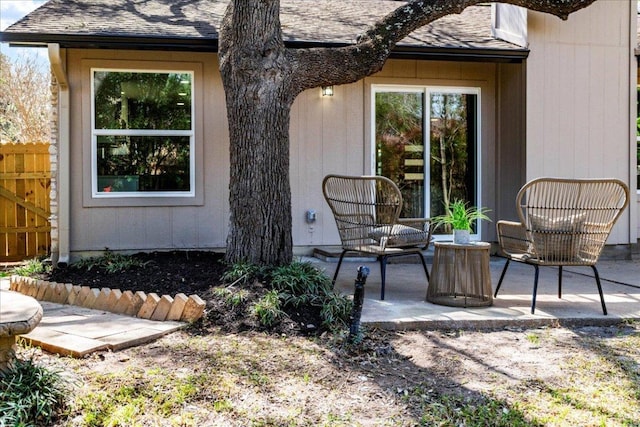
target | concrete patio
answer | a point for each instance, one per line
(405, 305)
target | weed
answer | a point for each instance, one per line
(110, 262)
(457, 411)
(32, 267)
(126, 397)
(30, 394)
(258, 378)
(241, 273)
(533, 339)
(222, 405)
(267, 309)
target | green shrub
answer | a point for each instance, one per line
(292, 286)
(301, 283)
(267, 309)
(241, 273)
(232, 296)
(30, 394)
(336, 310)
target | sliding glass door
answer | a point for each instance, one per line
(426, 140)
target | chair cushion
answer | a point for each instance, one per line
(557, 239)
(399, 235)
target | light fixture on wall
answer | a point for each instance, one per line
(327, 90)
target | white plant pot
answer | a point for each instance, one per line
(461, 237)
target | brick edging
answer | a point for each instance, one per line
(136, 304)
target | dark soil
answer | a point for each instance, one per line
(193, 272)
(164, 273)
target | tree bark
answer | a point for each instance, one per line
(261, 80)
(256, 75)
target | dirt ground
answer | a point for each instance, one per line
(390, 379)
(553, 376)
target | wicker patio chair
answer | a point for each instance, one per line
(563, 222)
(367, 213)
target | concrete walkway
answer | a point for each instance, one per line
(78, 331)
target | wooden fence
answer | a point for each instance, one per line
(25, 178)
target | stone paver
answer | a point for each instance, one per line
(77, 331)
(62, 343)
(177, 307)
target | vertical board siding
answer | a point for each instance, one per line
(25, 178)
(328, 135)
(578, 96)
(127, 224)
(510, 144)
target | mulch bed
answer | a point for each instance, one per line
(192, 272)
(165, 273)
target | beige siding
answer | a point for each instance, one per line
(578, 97)
(510, 139)
(200, 222)
(341, 125)
(328, 135)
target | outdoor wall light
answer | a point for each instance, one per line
(327, 90)
(311, 216)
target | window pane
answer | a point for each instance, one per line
(126, 100)
(439, 169)
(400, 146)
(143, 163)
(453, 149)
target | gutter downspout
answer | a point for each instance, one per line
(60, 254)
(634, 207)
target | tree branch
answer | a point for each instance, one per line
(331, 66)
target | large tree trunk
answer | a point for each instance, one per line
(260, 194)
(256, 77)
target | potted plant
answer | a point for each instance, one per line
(461, 219)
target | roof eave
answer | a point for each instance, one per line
(461, 54)
(110, 42)
(211, 45)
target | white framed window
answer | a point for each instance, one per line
(142, 133)
(427, 140)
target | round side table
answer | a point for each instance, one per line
(460, 276)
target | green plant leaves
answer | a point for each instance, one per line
(30, 394)
(461, 217)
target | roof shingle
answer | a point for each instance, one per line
(303, 21)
